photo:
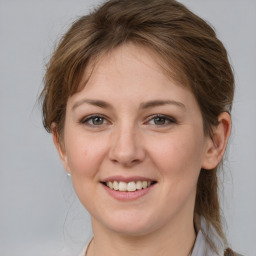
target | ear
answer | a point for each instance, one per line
(216, 145)
(60, 147)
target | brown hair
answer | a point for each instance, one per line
(187, 45)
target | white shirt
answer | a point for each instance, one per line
(201, 247)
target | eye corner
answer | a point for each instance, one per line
(94, 121)
(161, 120)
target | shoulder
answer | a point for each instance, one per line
(83, 252)
(210, 240)
(229, 252)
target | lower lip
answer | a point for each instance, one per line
(127, 196)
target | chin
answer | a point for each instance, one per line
(131, 230)
(129, 224)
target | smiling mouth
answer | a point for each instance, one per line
(131, 186)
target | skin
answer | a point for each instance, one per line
(128, 140)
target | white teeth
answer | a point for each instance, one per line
(110, 184)
(130, 186)
(144, 184)
(138, 185)
(122, 186)
(115, 185)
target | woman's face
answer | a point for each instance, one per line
(133, 127)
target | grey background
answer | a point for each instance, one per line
(39, 213)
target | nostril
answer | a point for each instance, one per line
(126, 149)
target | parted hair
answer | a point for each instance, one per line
(186, 44)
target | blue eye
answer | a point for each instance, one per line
(94, 120)
(161, 120)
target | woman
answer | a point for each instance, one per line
(138, 97)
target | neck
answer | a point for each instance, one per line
(177, 240)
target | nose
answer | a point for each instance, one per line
(126, 146)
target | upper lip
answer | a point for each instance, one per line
(127, 179)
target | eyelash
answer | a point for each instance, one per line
(167, 120)
(87, 119)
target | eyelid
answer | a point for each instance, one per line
(85, 120)
(170, 119)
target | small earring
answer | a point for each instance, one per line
(68, 174)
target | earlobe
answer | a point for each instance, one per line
(216, 145)
(60, 147)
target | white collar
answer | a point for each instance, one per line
(201, 246)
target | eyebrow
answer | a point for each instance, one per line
(143, 105)
(156, 103)
(98, 103)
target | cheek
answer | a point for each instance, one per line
(177, 160)
(84, 155)
(178, 156)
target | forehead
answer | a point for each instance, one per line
(130, 74)
(119, 58)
